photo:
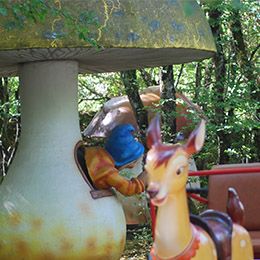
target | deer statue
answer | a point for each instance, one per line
(214, 236)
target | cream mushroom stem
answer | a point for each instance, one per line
(49, 108)
(50, 127)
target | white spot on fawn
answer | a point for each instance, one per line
(242, 243)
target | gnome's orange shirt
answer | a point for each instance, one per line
(102, 171)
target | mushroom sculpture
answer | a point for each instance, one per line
(47, 209)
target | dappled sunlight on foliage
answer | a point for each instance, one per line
(138, 243)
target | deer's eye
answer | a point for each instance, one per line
(180, 171)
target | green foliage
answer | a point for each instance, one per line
(237, 116)
(9, 122)
(96, 89)
(238, 121)
(93, 92)
(139, 244)
(192, 207)
(9, 109)
(144, 234)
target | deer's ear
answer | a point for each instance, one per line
(154, 132)
(196, 139)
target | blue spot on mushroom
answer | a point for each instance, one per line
(178, 27)
(201, 32)
(154, 25)
(196, 6)
(174, 2)
(118, 13)
(144, 19)
(172, 39)
(52, 34)
(132, 37)
(118, 35)
(58, 26)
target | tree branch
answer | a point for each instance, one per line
(179, 76)
(254, 52)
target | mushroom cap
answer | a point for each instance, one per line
(143, 33)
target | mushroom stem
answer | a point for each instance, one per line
(49, 105)
(44, 199)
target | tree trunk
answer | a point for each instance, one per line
(219, 88)
(148, 78)
(168, 104)
(198, 80)
(248, 69)
(141, 115)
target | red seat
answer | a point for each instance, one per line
(248, 188)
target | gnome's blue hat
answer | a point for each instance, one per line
(122, 146)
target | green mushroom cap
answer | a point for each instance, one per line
(133, 34)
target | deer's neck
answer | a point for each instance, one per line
(173, 229)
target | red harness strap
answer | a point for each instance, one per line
(188, 253)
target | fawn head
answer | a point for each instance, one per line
(167, 164)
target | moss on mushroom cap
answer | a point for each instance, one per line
(140, 33)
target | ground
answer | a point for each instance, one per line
(138, 243)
